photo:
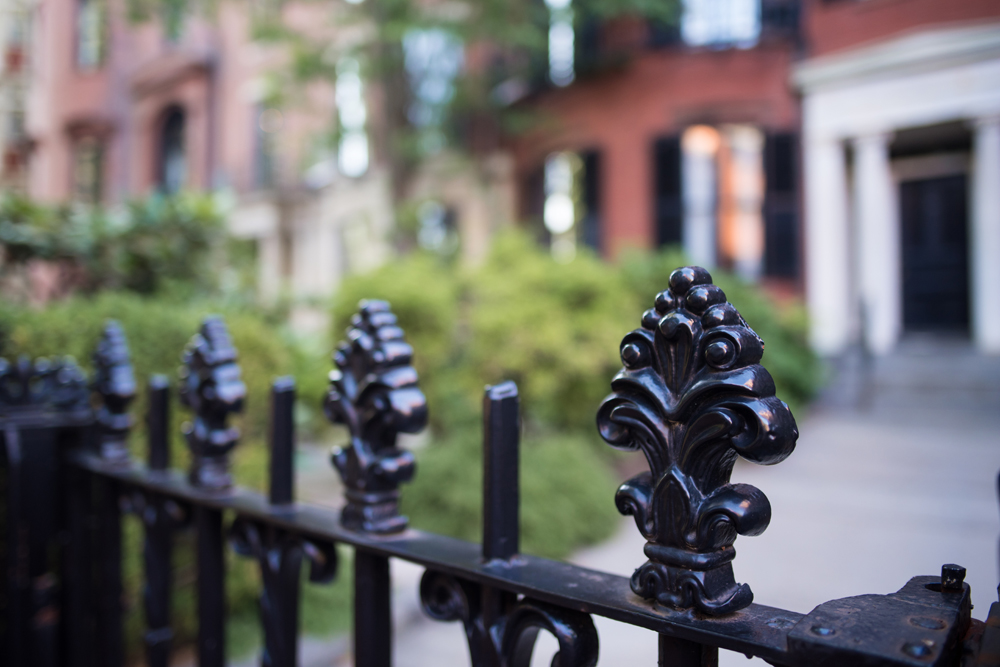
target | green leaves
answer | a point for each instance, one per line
(143, 246)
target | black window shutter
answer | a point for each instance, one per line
(781, 206)
(668, 210)
(590, 225)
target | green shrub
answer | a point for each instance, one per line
(145, 246)
(567, 492)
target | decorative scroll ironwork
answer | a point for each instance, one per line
(508, 639)
(114, 383)
(211, 386)
(57, 385)
(692, 397)
(374, 393)
(280, 556)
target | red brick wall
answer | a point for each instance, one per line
(658, 93)
(841, 24)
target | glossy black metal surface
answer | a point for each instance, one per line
(282, 441)
(692, 398)
(115, 386)
(374, 393)
(212, 388)
(160, 516)
(44, 406)
(43, 389)
(501, 441)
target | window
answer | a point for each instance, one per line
(438, 231)
(433, 58)
(352, 147)
(269, 123)
(172, 171)
(89, 34)
(88, 170)
(562, 42)
(571, 211)
(721, 23)
(700, 146)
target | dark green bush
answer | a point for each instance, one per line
(567, 489)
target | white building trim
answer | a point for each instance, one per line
(853, 250)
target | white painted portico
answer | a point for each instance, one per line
(853, 103)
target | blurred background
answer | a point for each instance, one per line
(518, 178)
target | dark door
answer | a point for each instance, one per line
(935, 254)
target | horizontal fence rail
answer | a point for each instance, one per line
(691, 396)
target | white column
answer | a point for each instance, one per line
(878, 243)
(828, 280)
(985, 236)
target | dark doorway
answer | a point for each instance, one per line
(935, 254)
(172, 167)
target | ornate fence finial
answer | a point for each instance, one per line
(43, 384)
(374, 393)
(692, 397)
(114, 382)
(212, 388)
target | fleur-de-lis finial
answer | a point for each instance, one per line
(114, 383)
(211, 386)
(57, 385)
(691, 397)
(374, 393)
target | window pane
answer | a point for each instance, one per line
(721, 22)
(89, 34)
(88, 167)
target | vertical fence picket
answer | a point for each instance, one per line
(372, 610)
(16, 568)
(79, 620)
(282, 434)
(280, 602)
(501, 489)
(110, 651)
(676, 652)
(158, 521)
(211, 587)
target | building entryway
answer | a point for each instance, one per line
(934, 235)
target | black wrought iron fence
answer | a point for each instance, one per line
(691, 396)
